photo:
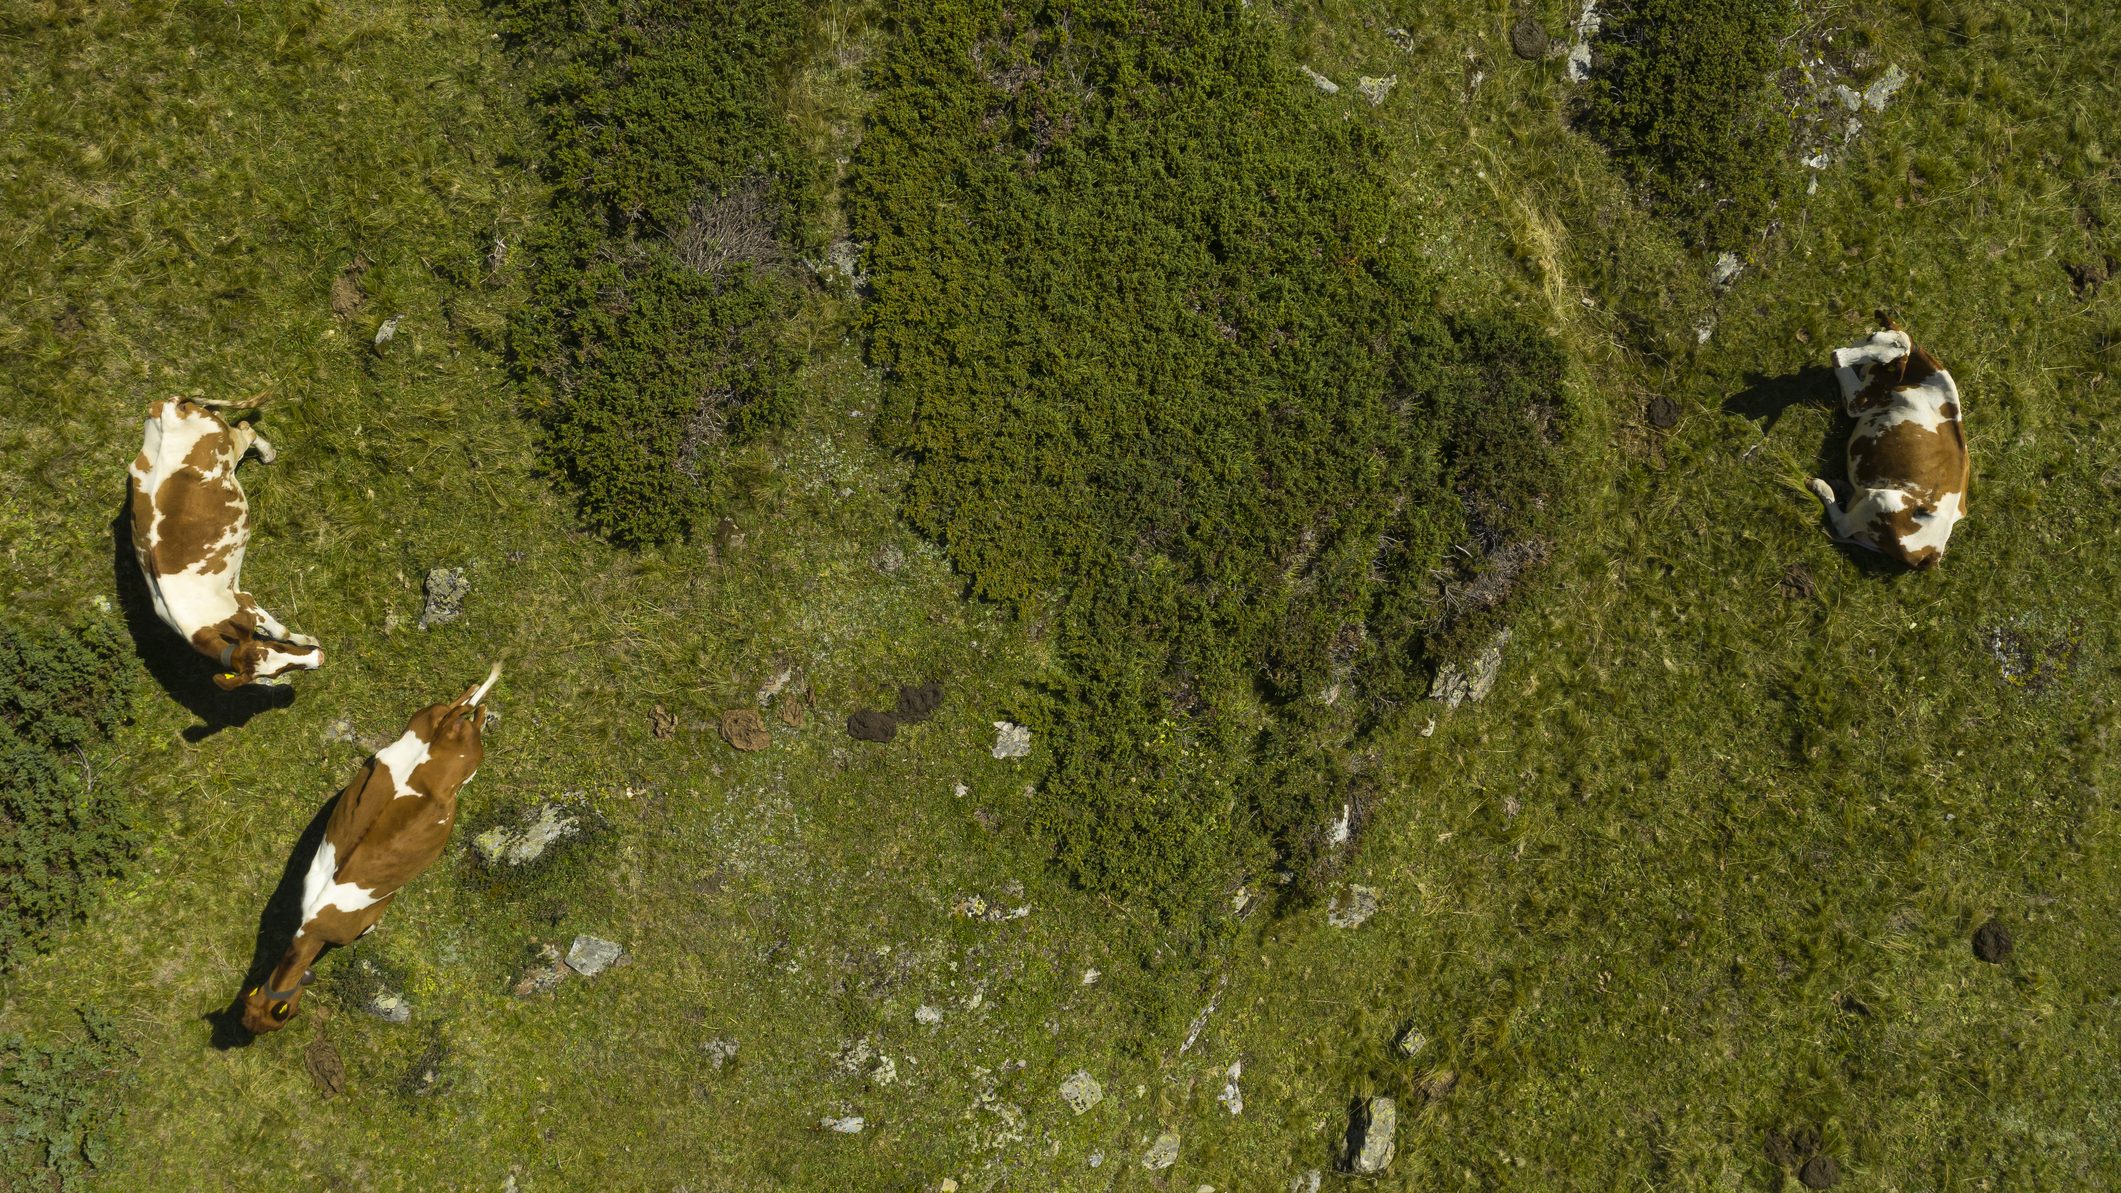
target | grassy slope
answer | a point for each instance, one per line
(1730, 808)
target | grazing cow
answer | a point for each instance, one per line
(190, 526)
(1907, 456)
(389, 824)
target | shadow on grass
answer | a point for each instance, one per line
(1765, 399)
(276, 930)
(179, 669)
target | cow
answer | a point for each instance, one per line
(190, 525)
(388, 825)
(1907, 456)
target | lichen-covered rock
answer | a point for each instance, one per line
(590, 956)
(1371, 1136)
(1163, 1153)
(1081, 1091)
(446, 589)
(1455, 684)
(1011, 740)
(1351, 905)
(527, 840)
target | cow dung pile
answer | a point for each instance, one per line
(916, 703)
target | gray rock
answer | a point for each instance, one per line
(845, 257)
(1163, 1153)
(927, 1014)
(389, 331)
(590, 956)
(527, 840)
(388, 1006)
(1081, 1091)
(1412, 1041)
(542, 976)
(1233, 1095)
(1350, 906)
(850, 1125)
(720, 1051)
(1370, 1136)
(341, 729)
(1455, 684)
(1305, 1182)
(1880, 93)
(1375, 90)
(446, 590)
(1727, 268)
(1010, 740)
(1320, 81)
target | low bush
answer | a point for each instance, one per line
(61, 693)
(1159, 348)
(56, 1102)
(659, 278)
(1683, 93)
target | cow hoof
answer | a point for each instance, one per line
(265, 452)
(1822, 490)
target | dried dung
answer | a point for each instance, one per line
(1662, 412)
(663, 722)
(1992, 942)
(745, 729)
(326, 1070)
(916, 704)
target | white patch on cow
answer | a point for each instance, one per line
(321, 889)
(1935, 529)
(401, 758)
(1922, 405)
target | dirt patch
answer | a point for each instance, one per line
(916, 704)
(792, 714)
(1992, 942)
(1780, 1151)
(1662, 412)
(1819, 1172)
(1796, 583)
(744, 729)
(869, 725)
(326, 1070)
(347, 296)
(2085, 277)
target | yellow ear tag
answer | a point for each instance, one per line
(230, 675)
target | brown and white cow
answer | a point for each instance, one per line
(1907, 456)
(190, 526)
(389, 825)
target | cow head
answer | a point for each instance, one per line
(266, 1009)
(451, 730)
(251, 655)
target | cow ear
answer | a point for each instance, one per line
(229, 681)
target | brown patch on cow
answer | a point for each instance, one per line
(1908, 456)
(186, 522)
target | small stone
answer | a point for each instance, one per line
(889, 559)
(1370, 1136)
(1880, 93)
(663, 723)
(1163, 1153)
(1091, 975)
(1992, 942)
(1455, 684)
(870, 725)
(388, 332)
(1662, 412)
(389, 1007)
(1819, 1172)
(1412, 1041)
(720, 1051)
(1350, 906)
(446, 589)
(1081, 1091)
(850, 1125)
(1704, 327)
(590, 956)
(948, 1186)
(1375, 90)
(341, 730)
(744, 729)
(1320, 81)
(543, 976)
(526, 841)
(1527, 40)
(326, 1071)
(1233, 1097)
(1010, 740)
(927, 1014)
(1727, 268)
(916, 704)
(1306, 1182)
(1401, 39)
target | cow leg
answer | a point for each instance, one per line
(1837, 514)
(255, 443)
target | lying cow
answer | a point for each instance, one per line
(1907, 455)
(388, 826)
(190, 526)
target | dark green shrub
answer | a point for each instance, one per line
(60, 832)
(1683, 92)
(660, 277)
(56, 1100)
(1158, 348)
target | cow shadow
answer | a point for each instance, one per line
(1766, 398)
(181, 672)
(276, 930)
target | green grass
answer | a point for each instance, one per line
(1635, 898)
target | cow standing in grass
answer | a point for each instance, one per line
(1907, 456)
(388, 826)
(190, 525)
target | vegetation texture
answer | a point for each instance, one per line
(1157, 346)
(661, 274)
(61, 694)
(56, 1104)
(1684, 94)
